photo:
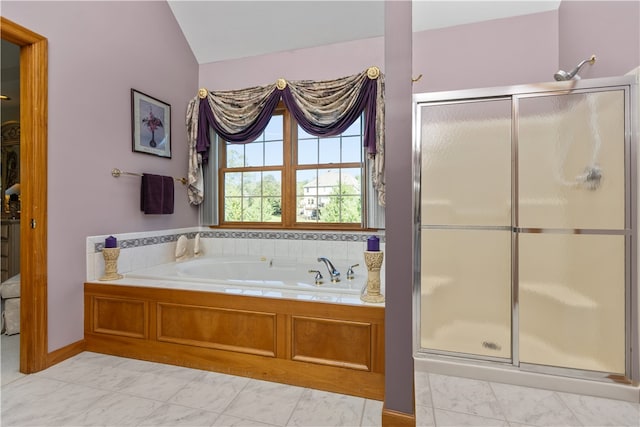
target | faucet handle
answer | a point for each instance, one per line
(350, 273)
(318, 277)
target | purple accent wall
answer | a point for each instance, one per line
(499, 52)
(98, 51)
(317, 63)
(399, 217)
(608, 29)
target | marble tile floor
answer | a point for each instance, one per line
(92, 389)
(10, 358)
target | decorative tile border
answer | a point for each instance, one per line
(286, 235)
(147, 241)
(235, 234)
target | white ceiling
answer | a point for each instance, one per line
(221, 30)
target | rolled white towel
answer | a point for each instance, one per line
(181, 248)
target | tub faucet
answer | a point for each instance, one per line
(350, 273)
(335, 274)
(318, 278)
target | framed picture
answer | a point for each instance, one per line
(150, 125)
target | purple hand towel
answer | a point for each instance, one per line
(156, 194)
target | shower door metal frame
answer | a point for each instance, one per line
(417, 247)
(628, 84)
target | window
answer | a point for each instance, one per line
(288, 178)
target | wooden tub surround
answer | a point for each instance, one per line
(326, 346)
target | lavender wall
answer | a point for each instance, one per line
(98, 51)
(608, 29)
(318, 63)
(500, 52)
(399, 210)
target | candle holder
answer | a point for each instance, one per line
(373, 260)
(111, 264)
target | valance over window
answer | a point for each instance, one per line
(321, 108)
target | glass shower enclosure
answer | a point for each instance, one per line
(526, 226)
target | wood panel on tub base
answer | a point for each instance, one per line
(325, 346)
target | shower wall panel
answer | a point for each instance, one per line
(572, 311)
(466, 293)
(466, 164)
(571, 161)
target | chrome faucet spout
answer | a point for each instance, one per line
(335, 274)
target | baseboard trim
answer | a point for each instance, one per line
(392, 418)
(66, 352)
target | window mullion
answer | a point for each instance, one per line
(222, 161)
(289, 177)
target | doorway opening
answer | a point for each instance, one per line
(33, 187)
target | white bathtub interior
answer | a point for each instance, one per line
(280, 262)
(256, 271)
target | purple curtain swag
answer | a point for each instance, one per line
(324, 108)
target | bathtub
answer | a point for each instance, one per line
(256, 317)
(255, 272)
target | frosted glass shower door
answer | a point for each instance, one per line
(465, 231)
(572, 230)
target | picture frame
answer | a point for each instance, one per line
(150, 125)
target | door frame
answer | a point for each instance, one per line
(33, 184)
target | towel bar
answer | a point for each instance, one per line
(115, 172)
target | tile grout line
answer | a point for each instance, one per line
(364, 409)
(566, 405)
(433, 407)
(304, 389)
(495, 396)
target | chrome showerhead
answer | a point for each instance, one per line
(562, 75)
